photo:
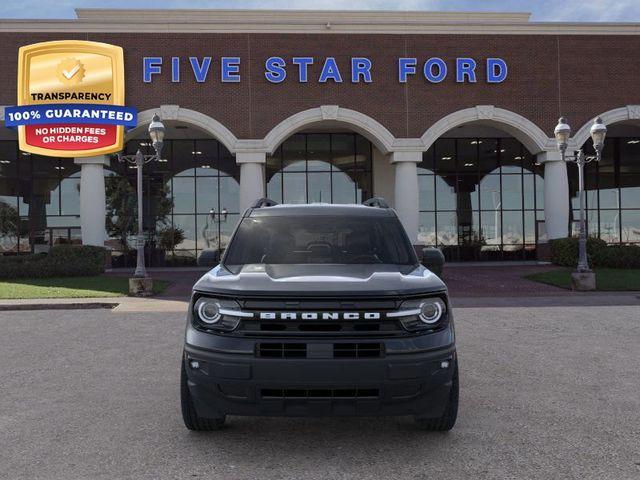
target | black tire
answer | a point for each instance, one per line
(448, 418)
(191, 419)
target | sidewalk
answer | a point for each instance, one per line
(117, 304)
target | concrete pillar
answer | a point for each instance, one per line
(93, 208)
(383, 177)
(406, 190)
(556, 195)
(251, 177)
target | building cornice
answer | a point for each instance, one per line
(318, 22)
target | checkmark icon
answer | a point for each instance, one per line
(71, 73)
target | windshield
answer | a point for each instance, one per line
(319, 240)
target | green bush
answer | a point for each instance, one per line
(618, 256)
(61, 261)
(564, 252)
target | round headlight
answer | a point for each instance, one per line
(208, 311)
(431, 311)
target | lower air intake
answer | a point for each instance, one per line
(319, 393)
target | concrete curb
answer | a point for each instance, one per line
(57, 306)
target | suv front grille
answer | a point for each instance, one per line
(320, 393)
(386, 327)
(357, 350)
(320, 327)
(303, 350)
(282, 350)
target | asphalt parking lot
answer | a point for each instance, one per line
(549, 392)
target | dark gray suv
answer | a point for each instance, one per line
(319, 310)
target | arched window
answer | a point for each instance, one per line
(612, 189)
(480, 198)
(321, 167)
(194, 189)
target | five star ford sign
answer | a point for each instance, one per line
(71, 99)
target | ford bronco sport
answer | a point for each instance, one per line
(319, 310)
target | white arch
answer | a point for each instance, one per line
(630, 112)
(531, 136)
(382, 138)
(197, 119)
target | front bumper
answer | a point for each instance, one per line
(231, 380)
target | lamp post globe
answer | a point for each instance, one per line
(156, 133)
(562, 133)
(598, 133)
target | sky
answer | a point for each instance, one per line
(542, 10)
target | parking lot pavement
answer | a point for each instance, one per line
(548, 392)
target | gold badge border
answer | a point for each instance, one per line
(71, 47)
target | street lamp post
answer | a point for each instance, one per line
(156, 133)
(562, 133)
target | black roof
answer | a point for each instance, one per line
(284, 210)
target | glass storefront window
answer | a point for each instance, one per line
(427, 228)
(320, 167)
(195, 188)
(207, 194)
(294, 154)
(612, 191)
(343, 187)
(630, 225)
(512, 192)
(445, 195)
(609, 225)
(630, 190)
(479, 198)
(70, 195)
(318, 149)
(183, 190)
(294, 187)
(319, 189)
(447, 228)
(490, 192)
(426, 187)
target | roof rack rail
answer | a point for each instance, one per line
(377, 202)
(263, 202)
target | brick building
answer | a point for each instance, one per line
(449, 116)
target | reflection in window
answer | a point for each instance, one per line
(479, 198)
(612, 191)
(200, 180)
(320, 167)
(39, 200)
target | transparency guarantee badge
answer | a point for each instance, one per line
(71, 99)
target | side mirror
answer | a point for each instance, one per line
(433, 259)
(209, 257)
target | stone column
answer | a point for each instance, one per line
(251, 177)
(406, 190)
(556, 194)
(92, 199)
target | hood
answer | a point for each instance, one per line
(320, 280)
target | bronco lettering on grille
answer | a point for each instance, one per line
(319, 316)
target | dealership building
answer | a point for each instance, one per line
(448, 116)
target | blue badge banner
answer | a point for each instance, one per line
(71, 113)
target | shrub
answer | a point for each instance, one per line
(61, 261)
(169, 237)
(564, 252)
(618, 256)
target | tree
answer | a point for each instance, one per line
(9, 221)
(169, 237)
(122, 208)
